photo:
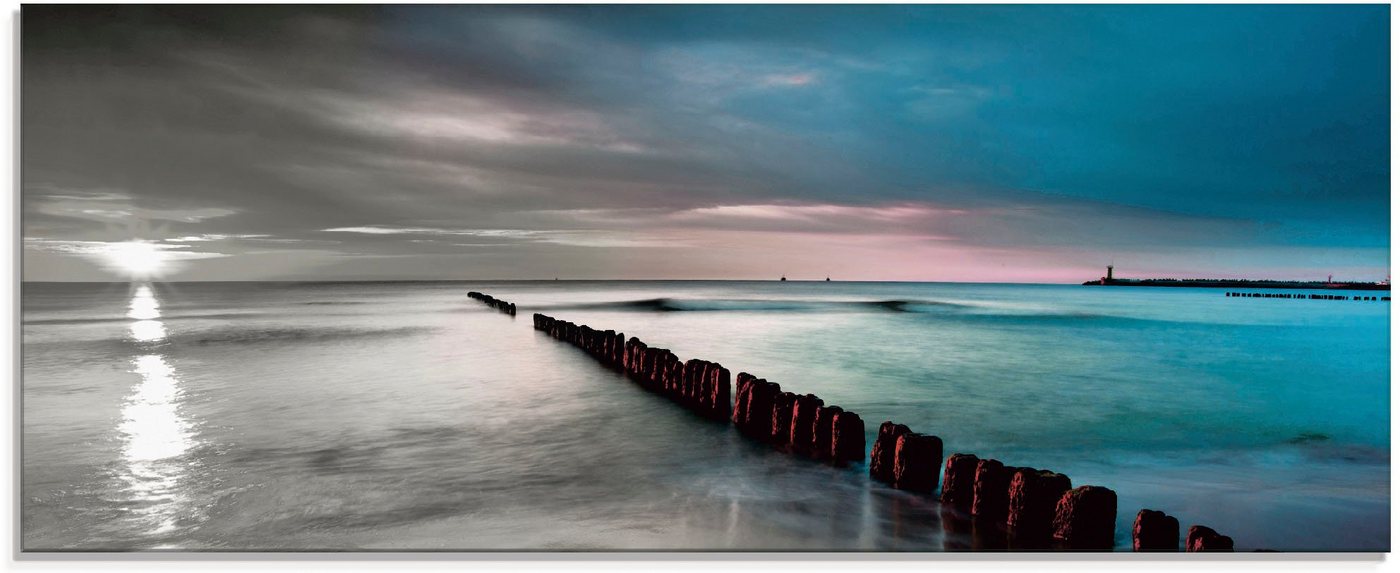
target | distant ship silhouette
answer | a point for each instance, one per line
(783, 279)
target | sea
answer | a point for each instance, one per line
(405, 416)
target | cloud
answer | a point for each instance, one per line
(116, 206)
(677, 127)
(789, 80)
(207, 237)
(577, 238)
(387, 230)
(814, 212)
(105, 247)
(934, 103)
(419, 114)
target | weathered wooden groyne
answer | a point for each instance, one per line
(1299, 296)
(1006, 507)
(698, 385)
(493, 302)
(799, 425)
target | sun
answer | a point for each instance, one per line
(136, 259)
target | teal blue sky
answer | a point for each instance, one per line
(1019, 143)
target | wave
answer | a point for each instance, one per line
(106, 346)
(767, 305)
(931, 309)
(697, 305)
(111, 319)
(259, 336)
(1066, 320)
(918, 305)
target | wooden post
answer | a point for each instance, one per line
(1200, 539)
(804, 417)
(822, 427)
(882, 452)
(1085, 518)
(848, 438)
(1031, 503)
(1156, 531)
(917, 460)
(959, 474)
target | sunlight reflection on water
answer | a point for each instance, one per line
(148, 331)
(154, 433)
(143, 305)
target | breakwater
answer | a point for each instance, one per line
(1234, 283)
(1299, 296)
(493, 302)
(1003, 507)
(698, 385)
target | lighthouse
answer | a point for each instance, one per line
(1110, 272)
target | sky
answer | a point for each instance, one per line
(937, 143)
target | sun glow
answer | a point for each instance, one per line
(136, 259)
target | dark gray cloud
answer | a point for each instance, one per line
(500, 141)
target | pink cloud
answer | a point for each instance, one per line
(789, 80)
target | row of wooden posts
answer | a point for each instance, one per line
(493, 302)
(799, 425)
(1028, 508)
(1018, 507)
(698, 385)
(1302, 296)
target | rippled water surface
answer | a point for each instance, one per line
(262, 416)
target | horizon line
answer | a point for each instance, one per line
(822, 280)
(328, 280)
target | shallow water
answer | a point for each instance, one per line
(267, 416)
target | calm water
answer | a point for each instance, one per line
(407, 416)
